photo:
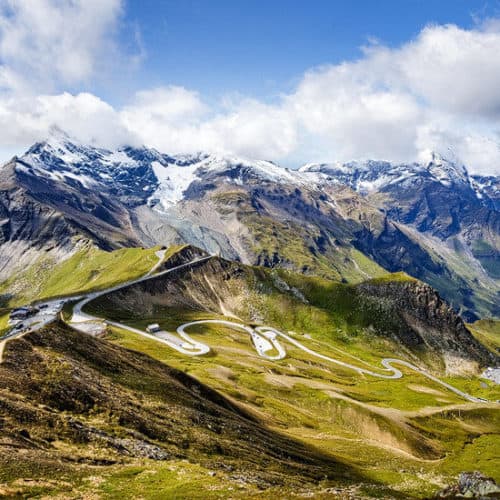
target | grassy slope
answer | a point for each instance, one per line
(62, 391)
(88, 269)
(337, 411)
(294, 244)
(326, 406)
(487, 331)
(371, 423)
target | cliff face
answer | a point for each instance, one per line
(185, 254)
(431, 221)
(416, 314)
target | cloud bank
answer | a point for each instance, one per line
(438, 91)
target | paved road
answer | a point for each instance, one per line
(190, 347)
(262, 344)
(387, 363)
(264, 338)
(47, 313)
(80, 320)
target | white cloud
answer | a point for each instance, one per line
(454, 70)
(175, 119)
(254, 129)
(349, 110)
(85, 116)
(49, 42)
(438, 91)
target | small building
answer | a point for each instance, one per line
(20, 313)
(153, 328)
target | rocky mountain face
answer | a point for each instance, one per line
(347, 222)
(418, 317)
(451, 216)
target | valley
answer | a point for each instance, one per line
(347, 222)
(318, 383)
(299, 303)
(249, 250)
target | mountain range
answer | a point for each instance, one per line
(344, 221)
(206, 326)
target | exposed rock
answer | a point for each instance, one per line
(430, 220)
(472, 485)
(421, 319)
(126, 446)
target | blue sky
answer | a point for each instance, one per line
(261, 48)
(289, 81)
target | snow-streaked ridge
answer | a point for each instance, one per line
(176, 174)
(368, 176)
(162, 180)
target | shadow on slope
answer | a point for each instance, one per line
(71, 401)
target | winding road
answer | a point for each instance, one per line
(265, 339)
(80, 320)
(387, 363)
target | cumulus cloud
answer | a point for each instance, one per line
(351, 111)
(177, 120)
(85, 116)
(454, 69)
(48, 42)
(438, 91)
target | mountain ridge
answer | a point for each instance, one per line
(347, 222)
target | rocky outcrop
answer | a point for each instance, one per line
(416, 314)
(409, 313)
(472, 485)
(432, 221)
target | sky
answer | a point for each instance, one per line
(289, 81)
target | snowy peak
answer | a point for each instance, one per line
(447, 171)
(124, 172)
(146, 176)
(142, 175)
(176, 174)
(487, 189)
(370, 175)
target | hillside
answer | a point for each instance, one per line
(74, 407)
(368, 421)
(98, 415)
(344, 222)
(400, 311)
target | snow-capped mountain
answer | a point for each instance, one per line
(369, 176)
(430, 219)
(488, 189)
(141, 173)
(162, 179)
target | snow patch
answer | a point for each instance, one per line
(173, 181)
